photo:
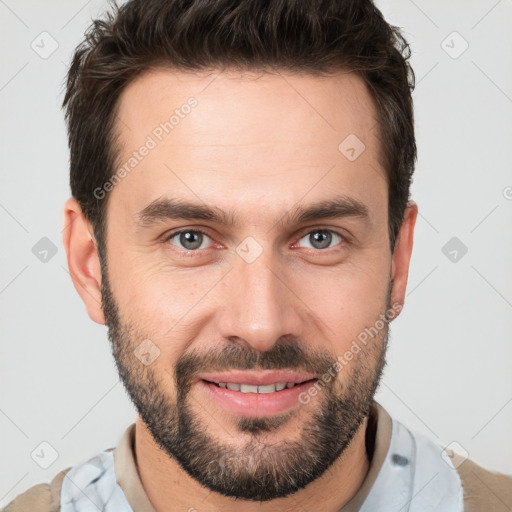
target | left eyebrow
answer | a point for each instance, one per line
(336, 208)
(166, 208)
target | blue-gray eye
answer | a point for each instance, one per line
(321, 238)
(190, 239)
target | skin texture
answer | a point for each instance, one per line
(256, 146)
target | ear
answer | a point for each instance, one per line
(402, 254)
(83, 261)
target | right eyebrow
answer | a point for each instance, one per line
(166, 208)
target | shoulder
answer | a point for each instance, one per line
(483, 489)
(473, 487)
(40, 497)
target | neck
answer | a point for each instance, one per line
(170, 488)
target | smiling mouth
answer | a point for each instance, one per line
(261, 389)
(256, 395)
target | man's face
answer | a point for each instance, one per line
(266, 292)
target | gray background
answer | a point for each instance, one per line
(449, 363)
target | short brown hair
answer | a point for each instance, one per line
(312, 36)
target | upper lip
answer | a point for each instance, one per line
(257, 378)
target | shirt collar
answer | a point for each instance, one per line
(127, 475)
(378, 435)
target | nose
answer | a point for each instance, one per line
(259, 306)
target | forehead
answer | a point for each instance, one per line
(217, 136)
(242, 103)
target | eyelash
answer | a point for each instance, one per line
(193, 252)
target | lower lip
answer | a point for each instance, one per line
(255, 404)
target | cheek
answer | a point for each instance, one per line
(164, 305)
(346, 301)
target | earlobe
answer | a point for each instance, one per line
(82, 257)
(402, 254)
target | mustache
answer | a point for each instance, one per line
(286, 355)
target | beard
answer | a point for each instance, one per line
(257, 470)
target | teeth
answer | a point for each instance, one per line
(246, 388)
(269, 388)
(249, 388)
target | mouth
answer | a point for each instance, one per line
(258, 394)
(251, 388)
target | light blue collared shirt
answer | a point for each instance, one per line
(414, 477)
